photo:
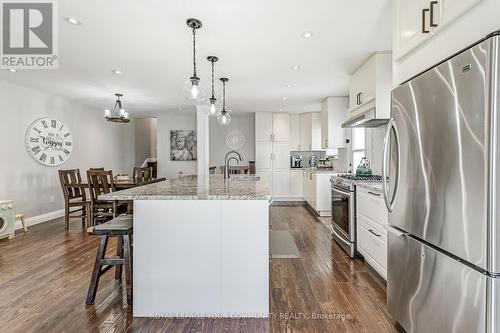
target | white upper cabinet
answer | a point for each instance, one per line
(371, 87)
(416, 21)
(294, 132)
(310, 131)
(281, 155)
(281, 127)
(333, 114)
(263, 126)
(449, 10)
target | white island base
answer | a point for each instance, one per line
(201, 258)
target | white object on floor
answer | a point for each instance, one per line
(7, 219)
(282, 245)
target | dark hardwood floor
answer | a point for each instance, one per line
(44, 277)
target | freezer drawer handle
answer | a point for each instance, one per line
(373, 193)
(374, 233)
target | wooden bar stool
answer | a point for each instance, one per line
(20, 217)
(122, 228)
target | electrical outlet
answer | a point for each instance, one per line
(52, 199)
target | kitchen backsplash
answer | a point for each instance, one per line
(339, 163)
(306, 155)
(377, 135)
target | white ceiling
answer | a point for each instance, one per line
(257, 42)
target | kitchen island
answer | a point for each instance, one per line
(201, 247)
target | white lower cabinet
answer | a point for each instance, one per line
(317, 191)
(296, 183)
(371, 224)
(281, 184)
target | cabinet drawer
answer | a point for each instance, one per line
(371, 204)
(372, 243)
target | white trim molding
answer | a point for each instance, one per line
(40, 219)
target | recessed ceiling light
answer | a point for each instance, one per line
(307, 34)
(281, 109)
(284, 98)
(117, 72)
(289, 86)
(72, 20)
(12, 70)
(180, 109)
(295, 67)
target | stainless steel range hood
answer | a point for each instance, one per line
(366, 119)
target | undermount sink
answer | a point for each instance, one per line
(244, 178)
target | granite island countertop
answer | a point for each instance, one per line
(209, 187)
(372, 186)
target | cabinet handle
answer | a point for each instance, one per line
(374, 233)
(357, 99)
(432, 24)
(424, 30)
(375, 194)
(360, 100)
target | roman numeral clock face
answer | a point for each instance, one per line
(49, 141)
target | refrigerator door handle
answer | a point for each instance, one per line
(389, 202)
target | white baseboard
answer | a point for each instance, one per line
(40, 219)
(288, 199)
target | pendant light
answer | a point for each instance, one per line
(192, 89)
(118, 115)
(223, 117)
(212, 107)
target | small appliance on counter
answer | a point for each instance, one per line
(296, 162)
(313, 161)
(325, 164)
(363, 168)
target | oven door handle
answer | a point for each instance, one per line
(339, 236)
(341, 192)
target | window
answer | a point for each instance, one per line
(358, 146)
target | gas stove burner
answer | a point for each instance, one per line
(372, 178)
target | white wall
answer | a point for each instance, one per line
(145, 139)
(245, 123)
(96, 143)
(467, 29)
(185, 120)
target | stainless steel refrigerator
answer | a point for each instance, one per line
(442, 160)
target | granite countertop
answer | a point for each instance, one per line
(210, 187)
(372, 186)
(316, 170)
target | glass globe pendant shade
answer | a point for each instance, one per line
(212, 106)
(223, 118)
(193, 91)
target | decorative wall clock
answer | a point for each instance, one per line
(49, 141)
(235, 140)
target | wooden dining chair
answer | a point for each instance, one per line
(102, 182)
(142, 175)
(76, 204)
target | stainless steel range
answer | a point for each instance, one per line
(343, 209)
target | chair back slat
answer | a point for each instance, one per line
(100, 182)
(68, 177)
(143, 174)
